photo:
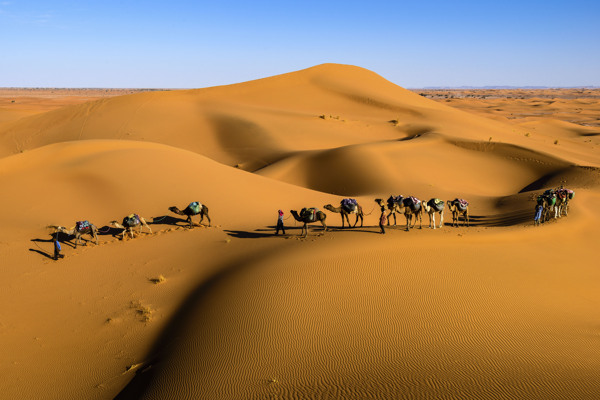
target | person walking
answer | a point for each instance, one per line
(280, 223)
(538, 214)
(57, 248)
(382, 220)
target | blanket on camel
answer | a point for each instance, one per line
(195, 207)
(349, 205)
(310, 214)
(82, 226)
(131, 220)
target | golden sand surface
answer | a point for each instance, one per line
(499, 309)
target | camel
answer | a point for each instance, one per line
(347, 207)
(413, 207)
(307, 216)
(130, 222)
(569, 196)
(80, 228)
(457, 207)
(548, 201)
(192, 209)
(434, 206)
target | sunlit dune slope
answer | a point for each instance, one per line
(104, 180)
(254, 123)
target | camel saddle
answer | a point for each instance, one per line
(195, 207)
(82, 226)
(413, 203)
(394, 200)
(461, 204)
(349, 205)
(437, 204)
(131, 220)
(309, 213)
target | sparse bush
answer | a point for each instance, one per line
(158, 279)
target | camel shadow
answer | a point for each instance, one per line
(109, 231)
(63, 238)
(248, 234)
(167, 220)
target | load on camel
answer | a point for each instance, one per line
(130, 222)
(194, 208)
(347, 207)
(80, 228)
(458, 207)
(432, 207)
(308, 216)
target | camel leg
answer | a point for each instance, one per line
(207, 217)
(324, 226)
(77, 238)
(441, 218)
(145, 224)
(388, 217)
(431, 220)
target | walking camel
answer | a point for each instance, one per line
(130, 222)
(192, 209)
(457, 207)
(347, 207)
(80, 228)
(432, 207)
(413, 207)
(307, 216)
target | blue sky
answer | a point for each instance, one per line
(190, 44)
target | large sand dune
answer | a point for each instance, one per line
(500, 309)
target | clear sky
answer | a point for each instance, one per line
(191, 44)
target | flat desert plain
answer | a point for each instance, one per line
(501, 309)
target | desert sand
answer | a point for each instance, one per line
(497, 310)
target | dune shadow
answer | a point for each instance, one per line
(513, 218)
(169, 337)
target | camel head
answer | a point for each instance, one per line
(329, 207)
(380, 202)
(116, 224)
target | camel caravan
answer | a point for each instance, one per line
(129, 223)
(552, 203)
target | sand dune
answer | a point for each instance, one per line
(500, 309)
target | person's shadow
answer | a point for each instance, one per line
(63, 238)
